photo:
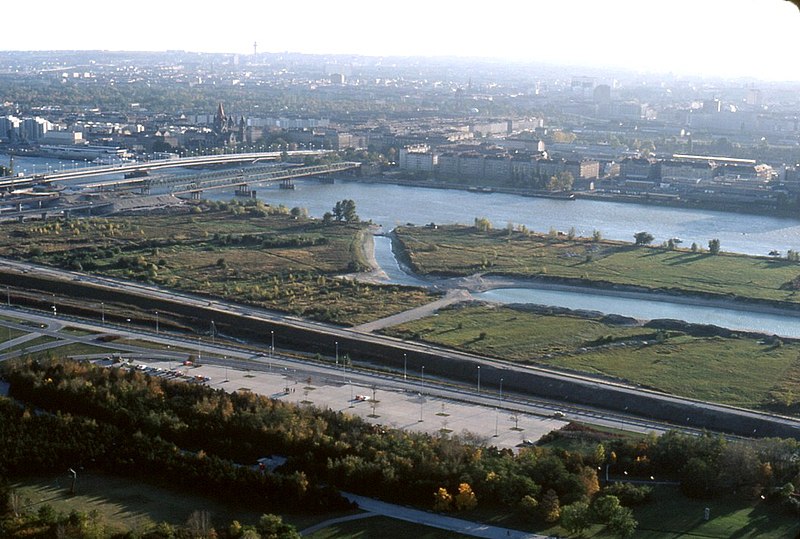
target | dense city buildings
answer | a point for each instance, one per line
(476, 123)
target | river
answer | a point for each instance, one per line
(391, 205)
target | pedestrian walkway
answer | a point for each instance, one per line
(436, 520)
(332, 522)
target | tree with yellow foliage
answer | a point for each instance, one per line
(465, 499)
(442, 500)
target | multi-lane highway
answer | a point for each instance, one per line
(656, 409)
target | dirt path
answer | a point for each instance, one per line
(453, 296)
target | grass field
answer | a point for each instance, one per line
(74, 349)
(126, 504)
(673, 515)
(7, 334)
(740, 371)
(44, 339)
(257, 255)
(462, 250)
(385, 528)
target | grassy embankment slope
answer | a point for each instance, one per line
(242, 254)
(739, 371)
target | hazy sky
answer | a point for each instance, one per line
(748, 38)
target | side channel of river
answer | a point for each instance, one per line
(391, 205)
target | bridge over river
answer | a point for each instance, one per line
(144, 168)
(241, 179)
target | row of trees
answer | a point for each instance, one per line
(178, 425)
(19, 520)
(645, 238)
(125, 421)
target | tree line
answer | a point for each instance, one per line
(125, 422)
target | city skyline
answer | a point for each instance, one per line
(713, 38)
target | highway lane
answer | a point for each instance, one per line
(488, 366)
(225, 354)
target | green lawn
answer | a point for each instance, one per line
(75, 349)
(44, 339)
(384, 528)
(125, 504)
(7, 334)
(672, 515)
(736, 371)
(462, 250)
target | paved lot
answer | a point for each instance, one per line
(397, 409)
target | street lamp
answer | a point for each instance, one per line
(272, 346)
(405, 366)
(156, 322)
(337, 352)
(479, 379)
(103, 313)
(501, 389)
(423, 377)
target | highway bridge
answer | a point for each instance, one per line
(55, 177)
(242, 179)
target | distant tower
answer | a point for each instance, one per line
(220, 120)
(255, 48)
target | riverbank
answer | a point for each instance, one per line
(754, 207)
(693, 313)
(757, 283)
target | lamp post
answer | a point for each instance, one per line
(501, 389)
(103, 313)
(337, 352)
(479, 379)
(405, 365)
(423, 377)
(156, 322)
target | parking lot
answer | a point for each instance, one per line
(408, 410)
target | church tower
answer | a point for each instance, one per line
(220, 121)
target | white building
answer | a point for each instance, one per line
(417, 158)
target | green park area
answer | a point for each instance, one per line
(159, 459)
(246, 252)
(465, 250)
(741, 371)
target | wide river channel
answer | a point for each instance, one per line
(391, 205)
